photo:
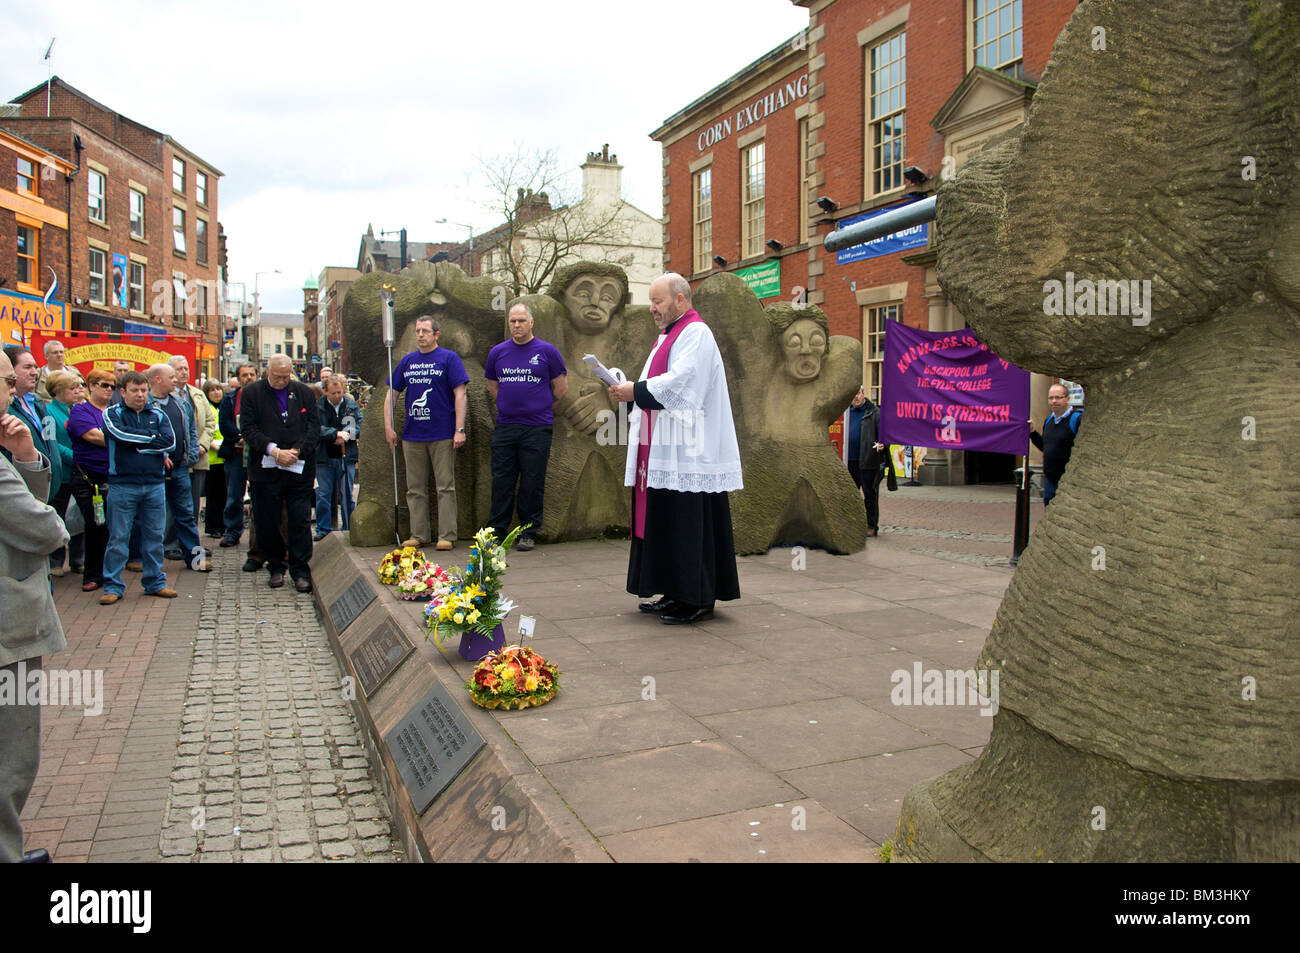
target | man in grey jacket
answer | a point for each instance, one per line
(29, 625)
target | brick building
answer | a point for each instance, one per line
(332, 347)
(142, 220)
(34, 233)
(859, 113)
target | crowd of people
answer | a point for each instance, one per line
(144, 464)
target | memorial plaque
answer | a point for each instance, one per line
(345, 609)
(432, 744)
(379, 654)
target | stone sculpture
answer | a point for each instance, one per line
(1148, 646)
(788, 378)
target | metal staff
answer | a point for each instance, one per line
(390, 338)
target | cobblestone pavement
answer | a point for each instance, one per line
(269, 764)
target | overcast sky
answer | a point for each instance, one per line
(326, 116)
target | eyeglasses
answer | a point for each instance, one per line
(107, 385)
(10, 380)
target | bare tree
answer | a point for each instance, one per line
(546, 224)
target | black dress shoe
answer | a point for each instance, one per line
(276, 580)
(683, 614)
(318, 536)
(228, 541)
(659, 605)
(302, 584)
(174, 554)
(251, 565)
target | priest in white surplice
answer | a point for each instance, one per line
(682, 459)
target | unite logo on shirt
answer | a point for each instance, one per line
(419, 408)
(534, 359)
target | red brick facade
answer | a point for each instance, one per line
(128, 156)
(833, 54)
(40, 209)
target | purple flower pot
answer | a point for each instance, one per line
(474, 646)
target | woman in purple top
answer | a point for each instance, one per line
(90, 470)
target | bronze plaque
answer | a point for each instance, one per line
(345, 609)
(431, 744)
(379, 654)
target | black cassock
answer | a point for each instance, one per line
(688, 553)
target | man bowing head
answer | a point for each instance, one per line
(682, 460)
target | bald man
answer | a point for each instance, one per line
(682, 460)
(280, 424)
(178, 487)
(54, 354)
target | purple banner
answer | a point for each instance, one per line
(946, 389)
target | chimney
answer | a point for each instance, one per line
(602, 178)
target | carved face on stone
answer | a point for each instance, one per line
(803, 344)
(591, 300)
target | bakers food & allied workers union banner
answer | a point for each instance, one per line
(86, 350)
(946, 389)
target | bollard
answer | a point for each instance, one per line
(1020, 536)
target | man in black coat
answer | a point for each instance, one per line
(869, 463)
(280, 424)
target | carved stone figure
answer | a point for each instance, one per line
(1148, 646)
(789, 379)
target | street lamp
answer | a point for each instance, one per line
(256, 317)
(443, 221)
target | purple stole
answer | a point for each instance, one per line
(658, 365)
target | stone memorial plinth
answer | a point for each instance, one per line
(457, 787)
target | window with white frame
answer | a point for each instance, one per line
(98, 276)
(887, 107)
(135, 286)
(178, 229)
(97, 188)
(753, 179)
(873, 343)
(996, 35)
(178, 174)
(702, 216)
(200, 239)
(137, 213)
(179, 299)
(201, 187)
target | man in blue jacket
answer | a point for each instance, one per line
(336, 467)
(140, 438)
(177, 487)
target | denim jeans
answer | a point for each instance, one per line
(331, 475)
(175, 536)
(1049, 490)
(143, 506)
(236, 481)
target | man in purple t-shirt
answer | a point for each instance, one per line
(434, 380)
(526, 376)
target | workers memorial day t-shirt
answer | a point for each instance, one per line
(429, 381)
(523, 373)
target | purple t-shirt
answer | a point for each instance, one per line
(430, 381)
(83, 417)
(523, 373)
